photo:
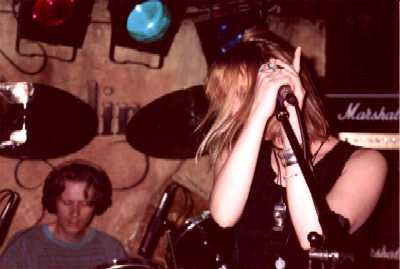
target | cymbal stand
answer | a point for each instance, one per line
(7, 212)
(171, 248)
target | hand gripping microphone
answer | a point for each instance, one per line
(285, 93)
(157, 223)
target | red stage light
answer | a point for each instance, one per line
(52, 12)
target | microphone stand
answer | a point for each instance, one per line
(333, 226)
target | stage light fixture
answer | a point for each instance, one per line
(51, 12)
(219, 34)
(148, 21)
(56, 22)
(148, 26)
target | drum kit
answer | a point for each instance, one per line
(47, 119)
(199, 244)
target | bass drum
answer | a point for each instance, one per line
(201, 244)
(136, 263)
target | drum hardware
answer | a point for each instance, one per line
(200, 244)
(14, 98)
(171, 250)
(8, 211)
(158, 223)
(133, 263)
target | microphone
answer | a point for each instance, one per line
(8, 213)
(285, 93)
(157, 223)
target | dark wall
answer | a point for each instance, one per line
(362, 46)
(384, 222)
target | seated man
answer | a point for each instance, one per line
(75, 192)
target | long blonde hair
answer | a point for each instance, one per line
(231, 79)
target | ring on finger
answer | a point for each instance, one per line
(268, 67)
(272, 66)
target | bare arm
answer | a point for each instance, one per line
(358, 189)
(353, 196)
(234, 175)
(234, 171)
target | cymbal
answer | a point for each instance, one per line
(165, 128)
(57, 124)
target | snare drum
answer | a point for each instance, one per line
(201, 244)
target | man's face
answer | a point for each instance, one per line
(74, 211)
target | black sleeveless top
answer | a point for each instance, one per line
(256, 244)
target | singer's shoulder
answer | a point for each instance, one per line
(369, 156)
(370, 162)
(360, 156)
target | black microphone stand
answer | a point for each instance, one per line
(334, 228)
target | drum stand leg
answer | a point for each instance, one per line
(171, 249)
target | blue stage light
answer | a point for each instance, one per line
(148, 21)
(145, 25)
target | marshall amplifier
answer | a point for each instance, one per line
(372, 121)
(368, 112)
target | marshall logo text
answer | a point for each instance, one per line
(353, 112)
